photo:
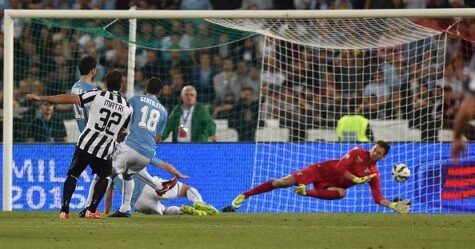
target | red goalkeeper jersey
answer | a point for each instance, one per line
(356, 161)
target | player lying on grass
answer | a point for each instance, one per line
(332, 178)
(145, 200)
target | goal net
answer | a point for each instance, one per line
(316, 73)
(284, 84)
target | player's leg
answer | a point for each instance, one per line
(265, 187)
(172, 210)
(127, 190)
(103, 169)
(89, 196)
(326, 192)
(303, 176)
(194, 196)
(160, 187)
(130, 164)
(78, 165)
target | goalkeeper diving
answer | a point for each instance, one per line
(331, 179)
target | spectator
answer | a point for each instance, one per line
(253, 81)
(195, 5)
(167, 98)
(47, 127)
(245, 116)
(354, 128)
(426, 114)
(151, 68)
(139, 83)
(226, 84)
(190, 121)
(177, 83)
(383, 4)
(257, 4)
(187, 38)
(414, 4)
(203, 78)
(453, 81)
(226, 5)
(380, 90)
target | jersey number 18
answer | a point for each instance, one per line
(153, 117)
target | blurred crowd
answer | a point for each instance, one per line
(311, 90)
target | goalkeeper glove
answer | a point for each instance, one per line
(364, 179)
(300, 190)
(402, 207)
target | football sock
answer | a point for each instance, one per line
(91, 190)
(148, 179)
(193, 195)
(262, 188)
(99, 191)
(68, 190)
(324, 194)
(172, 210)
(127, 190)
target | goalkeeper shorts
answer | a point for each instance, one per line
(311, 174)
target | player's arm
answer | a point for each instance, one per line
(398, 206)
(168, 168)
(56, 99)
(467, 109)
(161, 127)
(344, 164)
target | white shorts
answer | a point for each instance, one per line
(128, 160)
(149, 202)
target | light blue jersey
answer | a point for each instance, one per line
(138, 188)
(148, 121)
(81, 113)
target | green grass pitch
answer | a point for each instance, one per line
(321, 230)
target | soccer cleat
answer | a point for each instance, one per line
(187, 209)
(82, 214)
(237, 202)
(206, 207)
(91, 215)
(228, 209)
(119, 214)
(167, 186)
(63, 215)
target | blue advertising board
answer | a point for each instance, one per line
(220, 171)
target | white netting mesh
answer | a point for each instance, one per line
(315, 72)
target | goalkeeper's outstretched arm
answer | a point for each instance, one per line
(400, 206)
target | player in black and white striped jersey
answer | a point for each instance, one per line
(109, 115)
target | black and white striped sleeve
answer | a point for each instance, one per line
(87, 97)
(127, 122)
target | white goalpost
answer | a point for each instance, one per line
(345, 44)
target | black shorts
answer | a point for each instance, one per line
(81, 159)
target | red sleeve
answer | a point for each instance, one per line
(343, 165)
(375, 185)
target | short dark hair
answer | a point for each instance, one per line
(383, 145)
(86, 64)
(114, 80)
(154, 86)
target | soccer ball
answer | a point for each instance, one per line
(401, 172)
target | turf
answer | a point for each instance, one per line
(46, 230)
